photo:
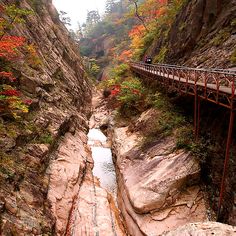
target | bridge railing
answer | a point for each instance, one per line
(214, 85)
(220, 80)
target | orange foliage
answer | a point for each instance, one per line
(125, 55)
(9, 46)
(137, 30)
(153, 9)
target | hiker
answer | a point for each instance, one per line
(148, 60)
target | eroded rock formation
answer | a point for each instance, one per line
(158, 187)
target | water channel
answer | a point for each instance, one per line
(104, 168)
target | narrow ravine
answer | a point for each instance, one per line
(145, 191)
(103, 168)
(94, 210)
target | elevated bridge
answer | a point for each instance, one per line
(213, 85)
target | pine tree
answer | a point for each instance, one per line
(110, 6)
(93, 17)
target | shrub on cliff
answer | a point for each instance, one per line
(11, 102)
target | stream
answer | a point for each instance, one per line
(104, 168)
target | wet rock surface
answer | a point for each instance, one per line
(80, 205)
(158, 186)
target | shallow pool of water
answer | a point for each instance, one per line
(103, 165)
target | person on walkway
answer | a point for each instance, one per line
(148, 60)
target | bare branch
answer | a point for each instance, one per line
(135, 2)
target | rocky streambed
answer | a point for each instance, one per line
(152, 190)
(158, 187)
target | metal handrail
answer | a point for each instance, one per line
(221, 71)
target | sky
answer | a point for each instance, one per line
(77, 9)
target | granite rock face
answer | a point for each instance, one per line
(80, 205)
(202, 29)
(203, 229)
(158, 188)
(61, 96)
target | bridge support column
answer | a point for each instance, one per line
(227, 155)
(197, 102)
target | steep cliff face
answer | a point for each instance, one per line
(61, 95)
(203, 29)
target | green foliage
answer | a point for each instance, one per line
(221, 37)
(160, 17)
(11, 102)
(233, 57)
(158, 101)
(131, 96)
(85, 50)
(16, 14)
(167, 122)
(184, 137)
(117, 75)
(182, 26)
(233, 23)
(94, 69)
(37, 5)
(161, 56)
(46, 138)
(119, 70)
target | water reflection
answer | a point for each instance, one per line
(103, 165)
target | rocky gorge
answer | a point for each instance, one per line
(50, 182)
(159, 189)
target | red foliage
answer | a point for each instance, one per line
(137, 30)
(27, 102)
(7, 75)
(10, 92)
(9, 46)
(136, 91)
(2, 8)
(115, 90)
(125, 55)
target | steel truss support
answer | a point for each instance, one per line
(197, 102)
(227, 155)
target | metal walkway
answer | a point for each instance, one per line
(214, 85)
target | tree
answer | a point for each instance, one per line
(79, 32)
(135, 2)
(64, 18)
(10, 46)
(93, 17)
(110, 6)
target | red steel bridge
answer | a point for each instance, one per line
(213, 85)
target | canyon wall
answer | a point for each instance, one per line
(202, 35)
(60, 94)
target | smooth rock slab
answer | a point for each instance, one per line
(158, 187)
(95, 213)
(66, 173)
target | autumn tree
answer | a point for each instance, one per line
(10, 52)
